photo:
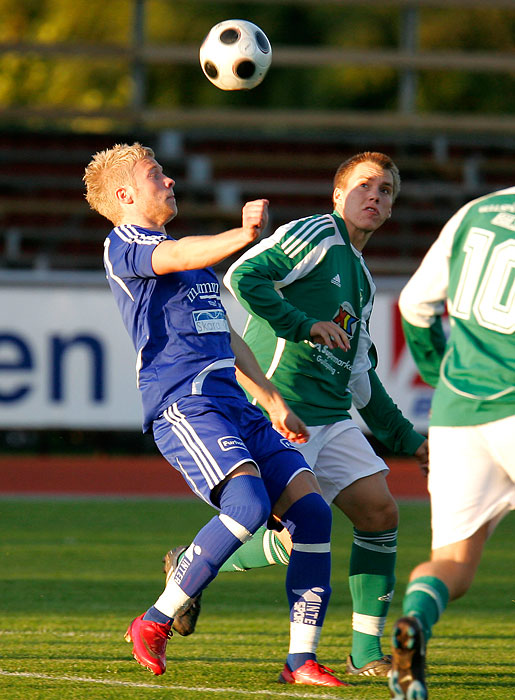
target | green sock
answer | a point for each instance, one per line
(371, 581)
(426, 597)
(263, 549)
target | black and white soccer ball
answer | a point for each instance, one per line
(235, 55)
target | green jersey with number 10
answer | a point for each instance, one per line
(472, 266)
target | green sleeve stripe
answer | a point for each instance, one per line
(299, 237)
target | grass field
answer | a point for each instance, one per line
(74, 573)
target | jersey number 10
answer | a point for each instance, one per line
(490, 295)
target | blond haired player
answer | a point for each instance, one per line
(228, 452)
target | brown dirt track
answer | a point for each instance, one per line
(103, 475)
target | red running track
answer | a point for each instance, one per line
(140, 476)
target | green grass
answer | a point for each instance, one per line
(74, 573)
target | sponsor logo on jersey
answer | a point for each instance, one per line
(204, 290)
(287, 443)
(488, 208)
(504, 220)
(328, 359)
(230, 442)
(346, 319)
(210, 321)
(336, 280)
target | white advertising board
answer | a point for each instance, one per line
(66, 361)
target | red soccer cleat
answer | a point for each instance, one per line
(310, 673)
(149, 641)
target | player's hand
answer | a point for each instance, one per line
(422, 457)
(255, 217)
(330, 334)
(286, 422)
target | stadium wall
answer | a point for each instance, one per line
(66, 361)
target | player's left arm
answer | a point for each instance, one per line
(251, 377)
(385, 419)
(198, 252)
(422, 457)
(377, 408)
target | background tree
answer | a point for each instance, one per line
(93, 82)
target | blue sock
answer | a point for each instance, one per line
(307, 580)
(157, 616)
(244, 507)
(295, 661)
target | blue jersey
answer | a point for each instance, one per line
(176, 321)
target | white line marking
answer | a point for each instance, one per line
(155, 686)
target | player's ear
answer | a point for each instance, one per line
(123, 195)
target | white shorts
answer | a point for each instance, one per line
(339, 454)
(471, 478)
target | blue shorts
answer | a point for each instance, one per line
(206, 438)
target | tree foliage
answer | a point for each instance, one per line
(95, 82)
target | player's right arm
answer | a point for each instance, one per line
(255, 279)
(197, 252)
(422, 303)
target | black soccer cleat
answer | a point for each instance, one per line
(407, 680)
(379, 668)
(186, 622)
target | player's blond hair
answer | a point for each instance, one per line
(109, 170)
(384, 161)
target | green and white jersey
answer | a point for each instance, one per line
(308, 271)
(472, 266)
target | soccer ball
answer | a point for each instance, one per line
(235, 55)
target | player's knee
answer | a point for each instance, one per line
(244, 505)
(458, 589)
(384, 516)
(309, 519)
(388, 515)
(460, 579)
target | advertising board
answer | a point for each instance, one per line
(66, 361)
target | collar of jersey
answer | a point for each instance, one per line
(147, 231)
(342, 228)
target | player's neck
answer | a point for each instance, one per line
(358, 237)
(143, 222)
